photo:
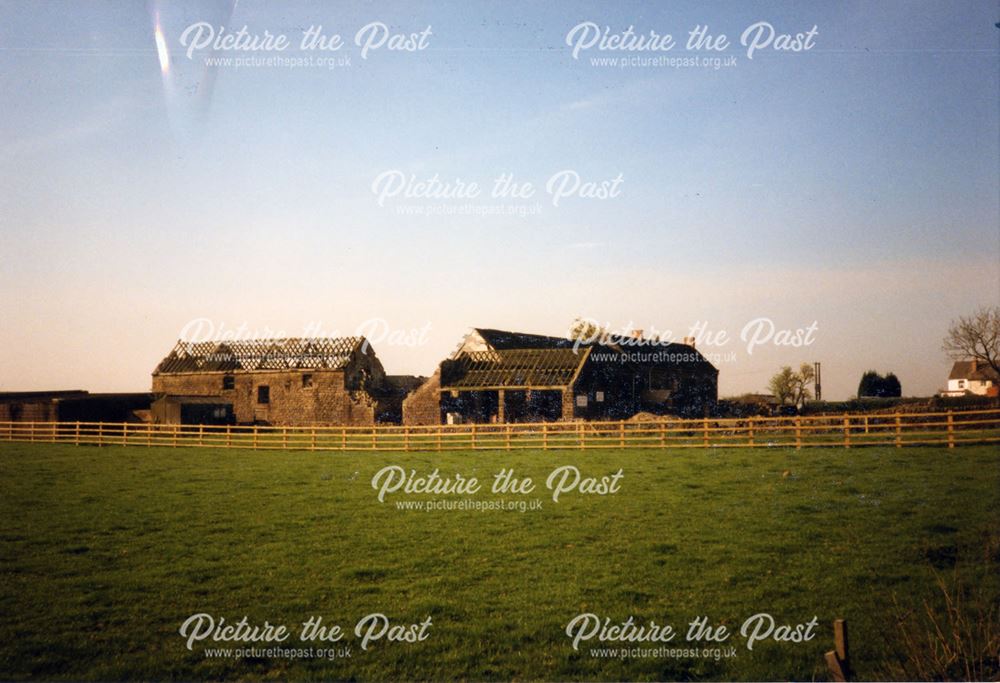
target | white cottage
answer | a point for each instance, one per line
(971, 377)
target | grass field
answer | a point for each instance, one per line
(105, 552)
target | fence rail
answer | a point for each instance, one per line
(910, 429)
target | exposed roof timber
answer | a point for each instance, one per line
(518, 368)
(327, 353)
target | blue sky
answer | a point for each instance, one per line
(855, 185)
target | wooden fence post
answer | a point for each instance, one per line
(705, 430)
(899, 432)
(406, 438)
(621, 433)
(663, 434)
(76, 434)
(951, 429)
(507, 437)
(312, 440)
(838, 659)
(847, 431)
(125, 434)
(201, 434)
(750, 431)
(229, 436)
(798, 432)
(100, 434)
(545, 436)
(255, 437)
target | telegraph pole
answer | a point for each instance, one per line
(819, 383)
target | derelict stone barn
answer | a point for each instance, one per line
(498, 376)
(336, 381)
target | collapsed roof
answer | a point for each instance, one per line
(317, 353)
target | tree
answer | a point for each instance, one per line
(874, 385)
(782, 385)
(805, 377)
(792, 387)
(870, 384)
(975, 337)
(891, 387)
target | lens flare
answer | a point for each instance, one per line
(188, 80)
(161, 48)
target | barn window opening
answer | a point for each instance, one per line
(228, 382)
(599, 397)
(307, 380)
(263, 394)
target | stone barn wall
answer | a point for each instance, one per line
(423, 405)
(28, 411)
(291, 402)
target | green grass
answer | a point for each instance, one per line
(104, 552)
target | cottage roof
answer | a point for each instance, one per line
(514, 368)
(973, 370)
(325, 353)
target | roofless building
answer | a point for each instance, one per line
(499, 376)
(272, 381)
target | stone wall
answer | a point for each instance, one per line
(328, 397)
(28, 411)
(292, 401)
(423, 405)
(568, 405)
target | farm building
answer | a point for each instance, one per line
(73, 406)
(499, 376)
(273, 381)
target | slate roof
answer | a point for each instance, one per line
(962, 369)
(502, 340)
(405, 383)
(518, 360)
(644, 351)
(40, 395)
(514, 368)
(321, 353)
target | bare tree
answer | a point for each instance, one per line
(782, 385)
(975, 337)
(804, 377)
(792, 387)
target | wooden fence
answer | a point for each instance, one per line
(849, 431)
